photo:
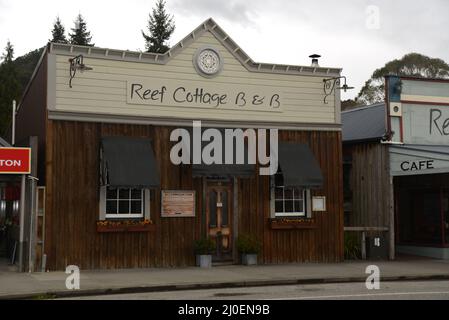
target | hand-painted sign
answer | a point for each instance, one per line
(15, 160)
(412, 160)
(426, 124)
(203, 95)
(178, 203)
(417, 165)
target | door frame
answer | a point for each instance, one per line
(233, 207)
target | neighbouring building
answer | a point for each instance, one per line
(396, 158)
(115, 199)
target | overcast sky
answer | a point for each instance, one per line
(356, 35)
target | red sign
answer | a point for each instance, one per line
(15, 160)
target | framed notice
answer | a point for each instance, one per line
(318, 203)
(177, 203)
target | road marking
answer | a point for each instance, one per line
(363, 295)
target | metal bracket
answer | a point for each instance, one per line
(329, 86)
(76, 63)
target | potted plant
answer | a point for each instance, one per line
(248, 247)
(203, 250)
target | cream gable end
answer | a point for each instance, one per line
(135, 87)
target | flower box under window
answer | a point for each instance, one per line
(125, 226)
(292, 223)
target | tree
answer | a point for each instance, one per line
(58, 32)
(161, 27)
(9, 87)
(349, 104)
(8, 56)
(412, 64)
(80, 35)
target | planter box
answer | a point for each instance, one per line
(204, 260)
(292, 224)
(125, 228)
(249, 259)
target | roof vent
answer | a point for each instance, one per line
(314, 58)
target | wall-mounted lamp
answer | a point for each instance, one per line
(329, 86)
(77, 63)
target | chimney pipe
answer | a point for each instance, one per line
(314, 58)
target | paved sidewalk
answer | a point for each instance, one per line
(52, 284)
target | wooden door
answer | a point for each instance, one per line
(219, 218)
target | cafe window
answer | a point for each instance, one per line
(118, 203)
(287, 201)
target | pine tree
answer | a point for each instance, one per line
(9, 87)
(161, 27)
(8, 56)
(80, 35)
(58, 31)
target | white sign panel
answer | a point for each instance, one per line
(426, 124)
(203, 95)
(409, 162)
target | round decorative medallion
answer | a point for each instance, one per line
(207, 62)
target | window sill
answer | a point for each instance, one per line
(292, 223)
(126, 228)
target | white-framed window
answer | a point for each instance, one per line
(288, 201)
(124, 203)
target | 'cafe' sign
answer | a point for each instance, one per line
(187, 93)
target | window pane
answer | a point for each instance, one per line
(111, 206)
(224, 208)
(279, 206)
(136, 206)
(279, 193)
(288, 206)
(136, 194)
(213, 209)
(299, 206)
(299, 194)
(288, 193)
(123, 193)
(123, 206)
(111, 193)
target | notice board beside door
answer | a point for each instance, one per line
(177, 203)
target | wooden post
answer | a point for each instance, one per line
(22, 222)
(235, 219)
(391, 227)
(363, 245)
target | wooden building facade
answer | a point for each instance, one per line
(84, 103)
(397, 162)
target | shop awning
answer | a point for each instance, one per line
(224, 170)
(299, 166)
(129, 162)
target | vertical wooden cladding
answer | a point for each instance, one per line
(370, 186)
(321, 244)
(73, 198)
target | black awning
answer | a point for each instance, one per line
(129, 162)
(223, 170)
(299, 166)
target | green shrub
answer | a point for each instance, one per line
(352, 246)
(204, 246)
(247, 244)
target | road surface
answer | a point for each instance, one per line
(420, 290)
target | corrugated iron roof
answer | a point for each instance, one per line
(365, 123)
